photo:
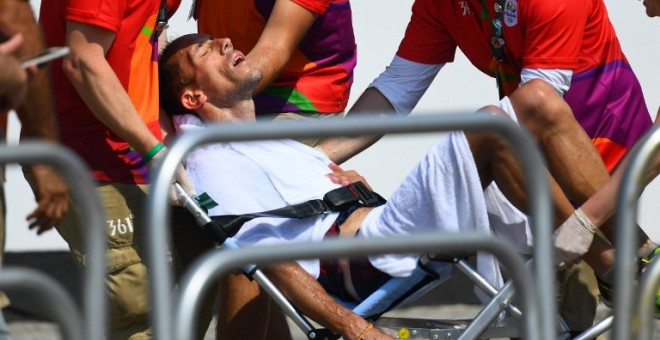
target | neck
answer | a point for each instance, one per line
(241, 111)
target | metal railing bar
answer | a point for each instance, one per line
(57, 303)
(213, 265)
(632, 184)
(76, 173)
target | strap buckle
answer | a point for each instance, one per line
(344, 197)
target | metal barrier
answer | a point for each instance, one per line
(203, 274)
(75, 172)
(632, 185)
(523, 145)
(58, 305)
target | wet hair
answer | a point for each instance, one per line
(171, 80)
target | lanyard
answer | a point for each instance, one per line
(496, 44)
(161, 21)
(497, 40)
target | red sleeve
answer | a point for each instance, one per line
(317, 6)
(426, 40)
(172, 6)
(102, 13)
(554, 31)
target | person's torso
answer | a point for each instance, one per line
(529, 41)
(318, 76)
(566, 34)
(133, 58)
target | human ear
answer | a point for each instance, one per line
(193, 99)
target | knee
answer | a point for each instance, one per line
(537, 104)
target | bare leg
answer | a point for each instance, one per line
(496, 163)
(246, 312)
(572, 159)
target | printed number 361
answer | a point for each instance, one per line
(120, 225)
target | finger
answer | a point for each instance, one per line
(44, 228)
(335, 168)
(32, 69)
(11, 45)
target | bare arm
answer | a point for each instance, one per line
(36, 114)
(13, 78)
(601, 206)
(340, 149)
(287, 25)
(312, 300)
(99, 87)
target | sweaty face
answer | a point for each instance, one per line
(220, 71)
(652, 7)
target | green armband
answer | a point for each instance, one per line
(152, 152)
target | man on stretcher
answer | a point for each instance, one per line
(204, 80)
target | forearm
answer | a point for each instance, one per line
(36, 113)
(107, 99)
(312, 300)
(103, 93)
(10, 77)
(602, 205)
(340, 149)
(286, 26)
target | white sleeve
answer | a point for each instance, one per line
(560, 79)
(404, 82)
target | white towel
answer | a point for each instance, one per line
(443, 193)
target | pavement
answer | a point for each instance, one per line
(42, 330)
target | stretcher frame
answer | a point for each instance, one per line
(540, 309)
(485, 325)
(395, 327)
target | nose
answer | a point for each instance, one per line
(225, 45)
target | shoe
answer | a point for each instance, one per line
(607, 290)
(644, 262)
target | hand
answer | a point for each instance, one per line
(13, 78)
(344, 178)
(573, 239)
(180, 176)
(51, 192)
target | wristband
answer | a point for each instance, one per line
(364, 331)
(152, 152)
(585, 223)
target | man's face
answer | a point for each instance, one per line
(220, 71)
(652, 7)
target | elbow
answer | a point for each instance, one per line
(71, 66)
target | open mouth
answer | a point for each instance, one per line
(238, 58)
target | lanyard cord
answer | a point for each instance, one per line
(161, 21)
(496, 41)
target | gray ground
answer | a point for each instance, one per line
(40, 330)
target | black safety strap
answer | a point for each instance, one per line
(333, 201)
